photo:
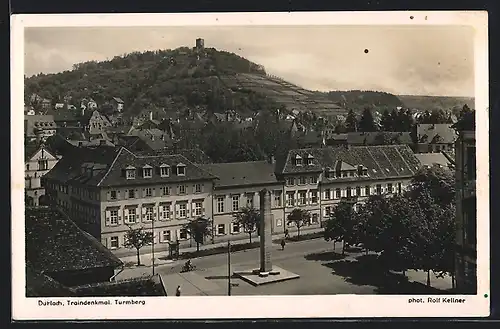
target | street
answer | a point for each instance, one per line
(321, 272)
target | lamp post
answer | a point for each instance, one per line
(153, 245)
(229, 268)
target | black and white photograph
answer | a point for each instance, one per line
(261, 155)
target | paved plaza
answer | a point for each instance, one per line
(322, 272)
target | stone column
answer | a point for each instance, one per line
(266, 265)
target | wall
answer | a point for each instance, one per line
(226, 218)
(465, 261)
(33, 173)
(157, 201)
(309, 186)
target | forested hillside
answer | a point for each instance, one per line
(170, 79)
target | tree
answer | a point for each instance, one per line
(138, 238)
(340, 225)
(366, 122)
(248, 218)
(438, 182)
(433, 190)
(351, 123)
(300, 218)
(386, 121)
(198, 229)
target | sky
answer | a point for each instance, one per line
(404, 60)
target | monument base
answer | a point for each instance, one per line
(258, 278)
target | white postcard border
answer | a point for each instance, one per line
(252, 306)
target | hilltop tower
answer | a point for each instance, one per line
(200, 44)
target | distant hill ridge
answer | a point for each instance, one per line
(201, 79)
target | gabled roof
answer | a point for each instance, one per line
(54, 243)
(381, 161)
(242, 173)
(436, 133)
(114, 176)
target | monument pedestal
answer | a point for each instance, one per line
(267, 273)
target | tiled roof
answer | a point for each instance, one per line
(143, 286)
(370, 138)
(242, 173)
(435, 133)
(381, 161)
(69, 167)
(54, 243)
(430, 159)
(41, 285)
(115, 175)
(194, 155)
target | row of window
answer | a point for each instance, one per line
(152, 192)
(42, 165)
(303, 180)
(166, 236)
(132, 214)
(147, 171)
(236, 202)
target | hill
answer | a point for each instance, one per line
(435, 102)
(176, 80)
(359, 99)
(170, 79)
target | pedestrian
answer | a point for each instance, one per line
(178, 291)
(283, 244)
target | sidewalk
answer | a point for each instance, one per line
(160, 257)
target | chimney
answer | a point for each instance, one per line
(271, 159)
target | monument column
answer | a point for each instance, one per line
(265, 228)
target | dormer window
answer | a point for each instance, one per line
(360, 170)
(164, 170)
(147, 171)
(309, 160)
(298, 160)
(130, 172)
(181, 169)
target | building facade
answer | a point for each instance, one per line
(106, 194)
(432, 138)
(106, 190)
(237, 186)
(466, 237)
(318, 179)
(38, 162)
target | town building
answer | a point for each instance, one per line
(97, 123)
(117, 104)
(466, 205)
(317, 179)
(237, 186)
(39, 127)
(105, 189)
(64, 261)
(38, 161)
(58, 248)
(108, 189)
(434, 138)
(435, 159)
